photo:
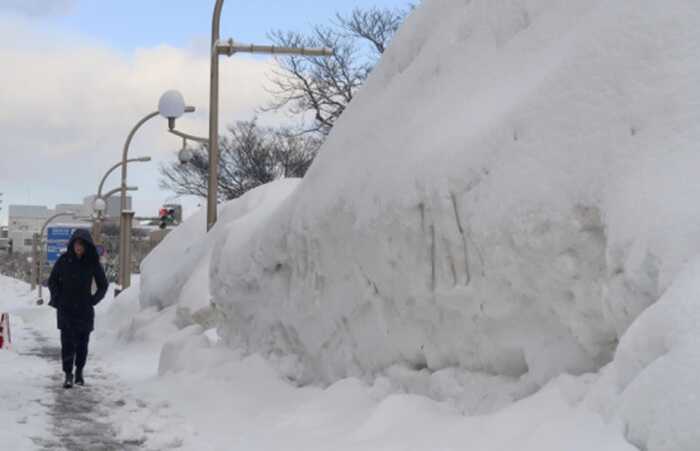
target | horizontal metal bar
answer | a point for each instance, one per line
(230, 48)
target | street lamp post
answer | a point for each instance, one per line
(39, 259)
(170, 106)
(33, 262)
(100, 206)
(229, 48)
(117, 165)
(124, 272)
(97, 223)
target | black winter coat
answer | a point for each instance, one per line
(70, 285)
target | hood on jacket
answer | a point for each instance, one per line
(84, 236)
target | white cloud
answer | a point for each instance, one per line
(66, 107)
(37, 7)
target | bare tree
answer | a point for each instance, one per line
(323, 87)
(376, 26)
(250, 156)
(16, 266)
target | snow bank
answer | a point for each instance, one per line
(657, 367)
(233, 400)
(513, 187)
(176, 273)
(507, 194)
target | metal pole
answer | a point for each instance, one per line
(125, 154)
(229, 48)
(40, 260)
(113, 168)
(97, 223)
(124, 239)
(35, 257)
(97, 230)
(99, 220)
(40, 270)
(127, 220)
(122, 246)
(212, 191)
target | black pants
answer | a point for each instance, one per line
(74, 349)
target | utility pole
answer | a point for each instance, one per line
(227, 47)
(171, 106)
(230, 47)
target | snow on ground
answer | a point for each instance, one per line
(23, 416)
(495, 250)
(215, 398)
(38, 414)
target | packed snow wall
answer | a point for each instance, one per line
(176, 273)
(512, 188)
(508, 195)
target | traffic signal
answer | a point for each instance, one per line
(167, 217)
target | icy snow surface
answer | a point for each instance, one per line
(212, 398)
(514, 186)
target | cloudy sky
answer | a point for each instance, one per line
(76, 75)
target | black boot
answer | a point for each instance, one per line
(79, 377)
(69, 381)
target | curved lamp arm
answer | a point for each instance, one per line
(48, 221)
(125, 152)
(113, 168)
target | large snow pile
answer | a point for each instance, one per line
(510, 191)
(514, 186)
(176, 274)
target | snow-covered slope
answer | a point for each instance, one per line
(511, 189)
(176, 273)
(514, 186)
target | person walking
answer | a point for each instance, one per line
(71, 284)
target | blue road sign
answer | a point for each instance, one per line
(57, 238)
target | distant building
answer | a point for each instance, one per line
(23, 222)
(26, 220)
(78, 209)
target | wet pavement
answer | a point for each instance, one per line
(80, 415)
